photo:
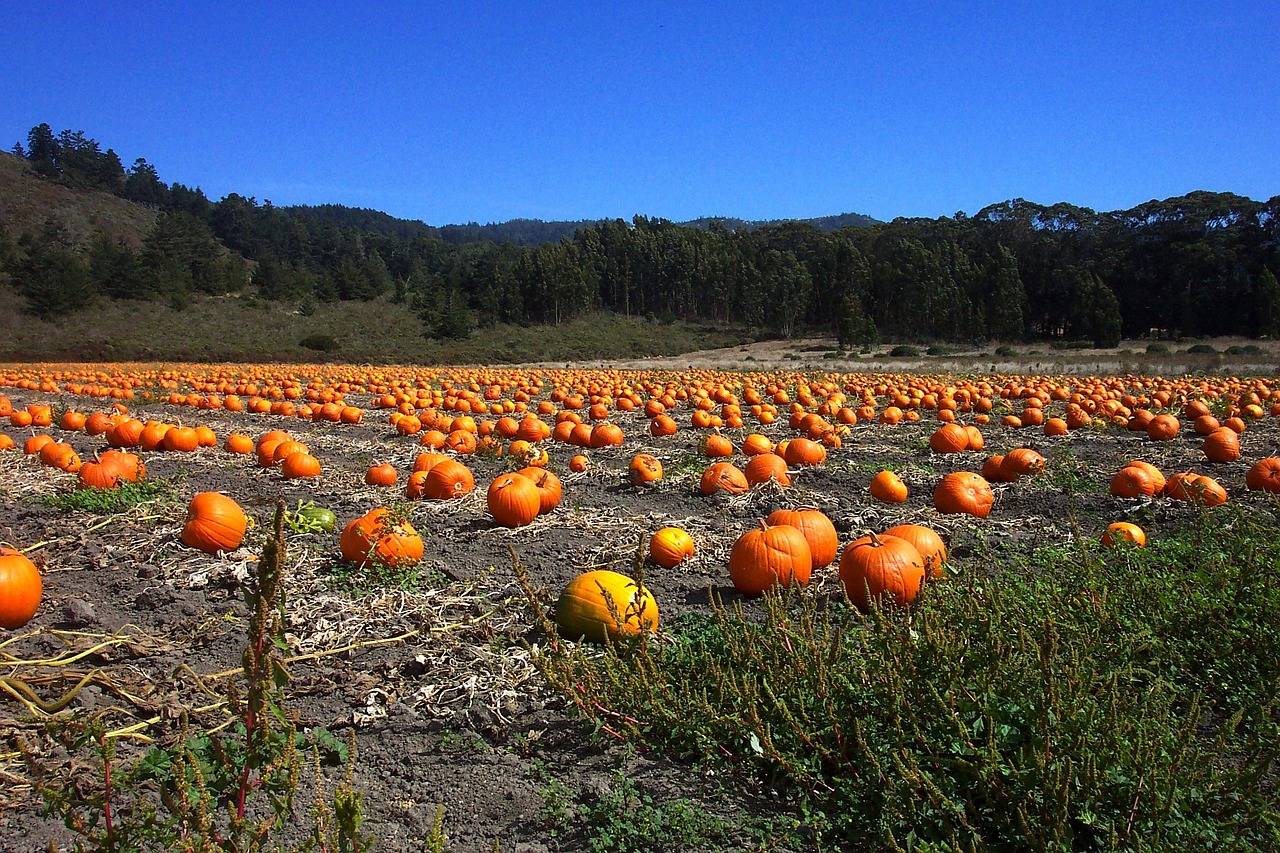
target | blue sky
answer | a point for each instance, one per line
(581, 110)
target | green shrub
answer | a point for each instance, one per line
(904, 351)
(1246, 349)
(939, 349)
(320, 343)
(1202, 349)
(1156, 348)
(1065, 700)
(1006, 351)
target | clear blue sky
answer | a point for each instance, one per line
(564, 111)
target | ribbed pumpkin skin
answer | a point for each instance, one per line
(449, 479)
(214, 523)
(550, 489)
(723, 477)
(764, 467)
(1222, 445)
(888, 487)
(963, 492)
(368, 537)
(767, 556)
(671, 546)
(20, 590)
(300, 465)
(1132, 482)
(513, 500)
(818, 531)
(881, 567)
(1264, 476)
(927, 541)
(949, 438)
(583, 611)
(95, 475)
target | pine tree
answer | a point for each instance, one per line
(1006, 315)
(53, 281)
(115, 270)
(1266, 311)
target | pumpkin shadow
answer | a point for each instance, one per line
(476, 525)
(707, 596)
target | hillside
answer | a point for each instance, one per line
(235, 328)
(27, 201)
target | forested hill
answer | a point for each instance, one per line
(1199, 264)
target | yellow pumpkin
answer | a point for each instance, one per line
(583, 609)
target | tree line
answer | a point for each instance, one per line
(1199, 264)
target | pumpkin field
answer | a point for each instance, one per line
(538, 609)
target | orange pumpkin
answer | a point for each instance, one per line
(20, 590)
(376, 536)
(300, 465)
(963, 492)
(447, 480)
(215, 523)
(1264, 475)
(550, 489)
(644, 469)
(888, 488)
(670, 546)
(513, 500)
(881, 568)
(769, 556)
(927, 541)
(764, 467)
(1222, 445)
(1126, 531)
(381, 475)
(723, 477)
(818, 531)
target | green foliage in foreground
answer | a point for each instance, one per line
(122, 498)
(1073, 700)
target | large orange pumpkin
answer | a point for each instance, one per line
(818, 531)
(769, 556)
(215, 523)
(1264, 475)
(377, 536)
(963, 492)
(20, 589)
(881, 568)
(513, 500)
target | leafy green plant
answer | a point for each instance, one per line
(1070, 699)
(122, 498)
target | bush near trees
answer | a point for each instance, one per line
(1197, 265)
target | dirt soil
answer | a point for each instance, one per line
(454, 713)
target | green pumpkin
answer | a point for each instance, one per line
(317, 516)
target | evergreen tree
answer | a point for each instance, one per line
(143, 184)
(42, 150)
(1005, 316)
(1266, 313)
(53, 281)
(115, 270)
